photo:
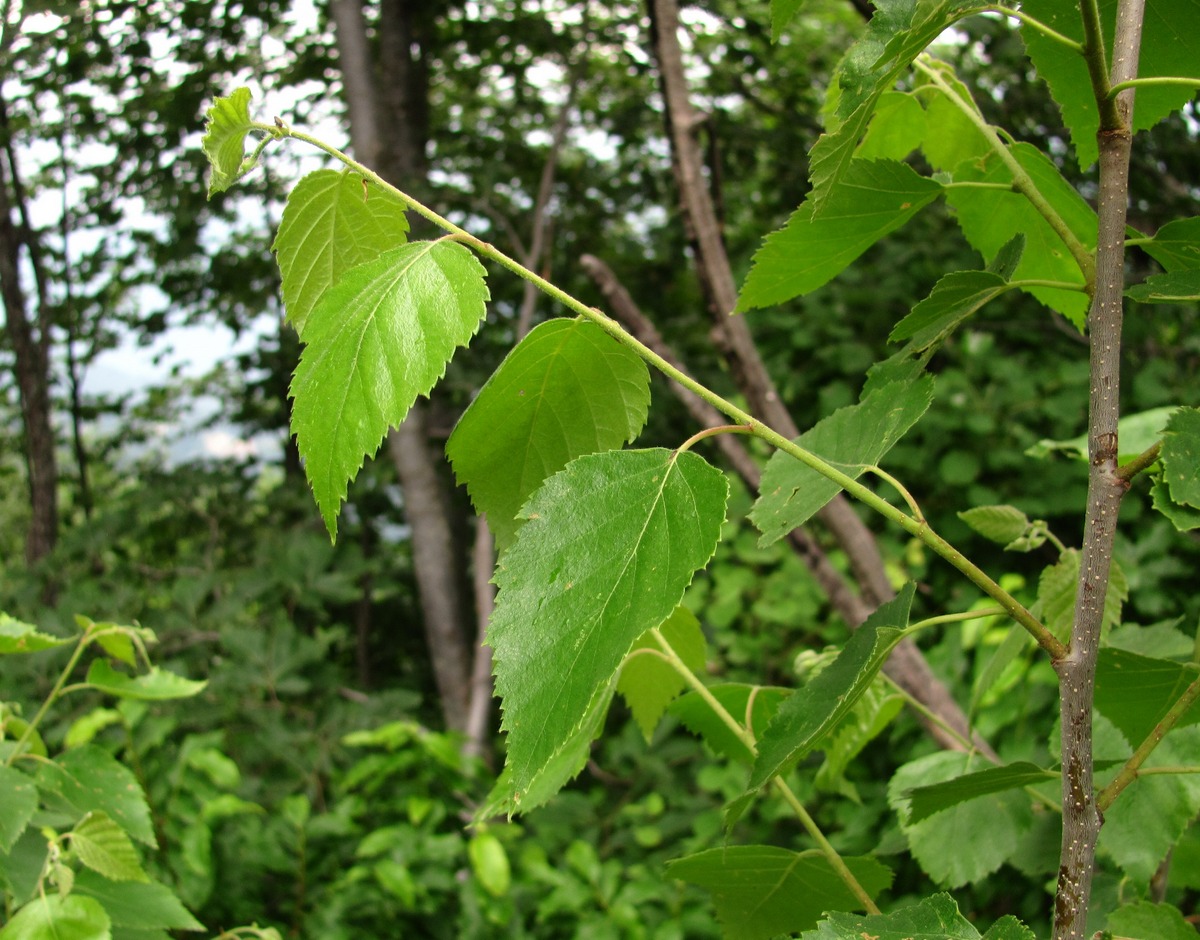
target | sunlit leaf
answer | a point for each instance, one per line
(761, 891)
(897, 128)
(55, 917)
(224, 143)
(106, 849)
(334, 220)
(647, 683)
(155, 685)
(607, 549)
(378, 338)
(566, 390)
(16, 636)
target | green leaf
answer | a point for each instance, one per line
(782, 13)
(137, 905)
(16, 636)
(155, 685)
(897, 33)
(378, 338)
(736, 698)
(897, 128)
(926, 801)
(1181, 457)
(609, 545)
(84, 729)
(91, 780)
(489, 861)
(334, 220)
(1153, 811)
(1135, 433)
(990, 218)
(19, 797)
(54, 917)
(104, 847)
(566, 390)
(935, 918)
(648, 683)
(868, 718)
(761, 891)
(851, 439)
(1176, 288)
(874, 198)
(1143, 920)
(951, 136)
(1184, 518)
(804, 719)
(227, 123)
(1057, 588)
(984, 832)
(1134, 692)
(1176, 246)
(22, 866)
(955, 297)
(1003, 524)
(1169, 47)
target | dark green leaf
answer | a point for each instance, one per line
(224, 142)
(334, 220)
(91, 780)
(869, 717)
(782, 12)
(1134, 692)
(19, 798)
(566, 390)
(54, 917)
(1184, 518)
(16, 636)
(735, 698)
(925, 801)
(1176, 288)
(1142, 920)
(984, 832)
(378, 338)
(647, 683)
(874, 198)
(607, 549)
(935, 918)
(137, 905)
(812, 712)
(761, 891)
(155, 685)
(851, 439)
(1181, 457)
(955, 297)
(1176, 246)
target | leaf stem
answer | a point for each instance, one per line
(1158, 81)
(901, 489)
(710, 432)
(920, 530)
(1032, 23)
(836, 862)
(1142, 461)
(49, 700)
(960, 617)
(1129, 772)
(1022, 181)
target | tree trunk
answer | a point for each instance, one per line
(388, 131)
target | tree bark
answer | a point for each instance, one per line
(912, 673)
(30, 342)
(389, 132)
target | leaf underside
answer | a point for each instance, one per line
(224, 142)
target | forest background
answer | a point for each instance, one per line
(287, 793)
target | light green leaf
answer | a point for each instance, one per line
(378, 338)
(1181, 457)
(851, 439)
(16, 636)
(804, 719)
(609, 545)
(1170, 47)
(1058, 586)
(1143, 920)
(1152, 812)
(1135, 434)
(84, 729)
(155, 685)
(984, 832)
(897, 128)
(566, 390)
(926, 801)
(951, 136)
(1134, 692)
(935, 918)
(19, 798)
(990, 218)
(54, 917)
(106, 849)
(1003, 524)
(955, 297)
(761, 891)
(647, 683)
(334, 220)
(489, 861)
(897, 33)
(137, 905)
(1175, 288)
(1176, 246)
(227, 122)
(736, 698)
(91, 780)
(874, 198)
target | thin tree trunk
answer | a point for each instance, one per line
(738, 347)
(388, 131)
(30, 343)
(1077, 671)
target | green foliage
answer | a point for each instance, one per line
(937, 916)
